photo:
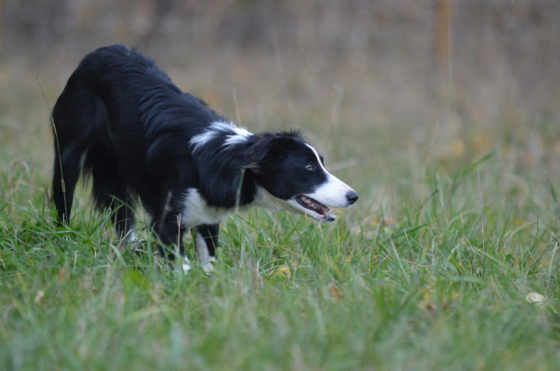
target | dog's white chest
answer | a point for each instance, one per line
(196, 211)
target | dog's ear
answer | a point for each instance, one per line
(269, 150)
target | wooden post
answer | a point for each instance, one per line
(442, 51)
(1, 24)
(443, 22)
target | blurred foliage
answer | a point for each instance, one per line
(461, 76)
(501, 60)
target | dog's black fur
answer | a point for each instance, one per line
(122, 120)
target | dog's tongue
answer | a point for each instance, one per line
(315, 206)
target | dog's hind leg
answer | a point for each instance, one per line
(123, 217)
(206, 241)
(67, 167)
(75, 117)
(114, 196)
(110, 192)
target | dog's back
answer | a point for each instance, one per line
(116, 106)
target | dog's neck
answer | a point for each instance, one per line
(227, 179)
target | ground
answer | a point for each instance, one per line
(449, 261)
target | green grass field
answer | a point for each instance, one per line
(430, 271)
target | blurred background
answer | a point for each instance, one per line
(372, 82)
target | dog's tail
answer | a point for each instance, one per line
(78, 117)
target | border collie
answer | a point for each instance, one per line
(122, 120)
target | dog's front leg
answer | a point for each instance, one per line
(171, 239)
(206, 242)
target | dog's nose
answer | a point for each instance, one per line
(352, 197)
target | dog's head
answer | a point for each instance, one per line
(292, 172)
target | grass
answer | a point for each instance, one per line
(436, 282)
(430, 270)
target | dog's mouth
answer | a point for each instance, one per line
(318, 208)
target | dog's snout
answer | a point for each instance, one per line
(352, 197)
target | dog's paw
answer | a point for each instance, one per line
(132, 242)
(209, 265)
(132, 238)
(185, 266)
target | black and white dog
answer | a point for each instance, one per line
(122, 120)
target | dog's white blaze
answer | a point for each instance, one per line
(238, 135)
(233, 140)
(333, 191)
(318, 158)
(242, 131)
(241, 135)
(201, 139)
(222, 126)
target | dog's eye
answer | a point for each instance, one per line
(309, 167)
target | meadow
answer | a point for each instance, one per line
(449, 260)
